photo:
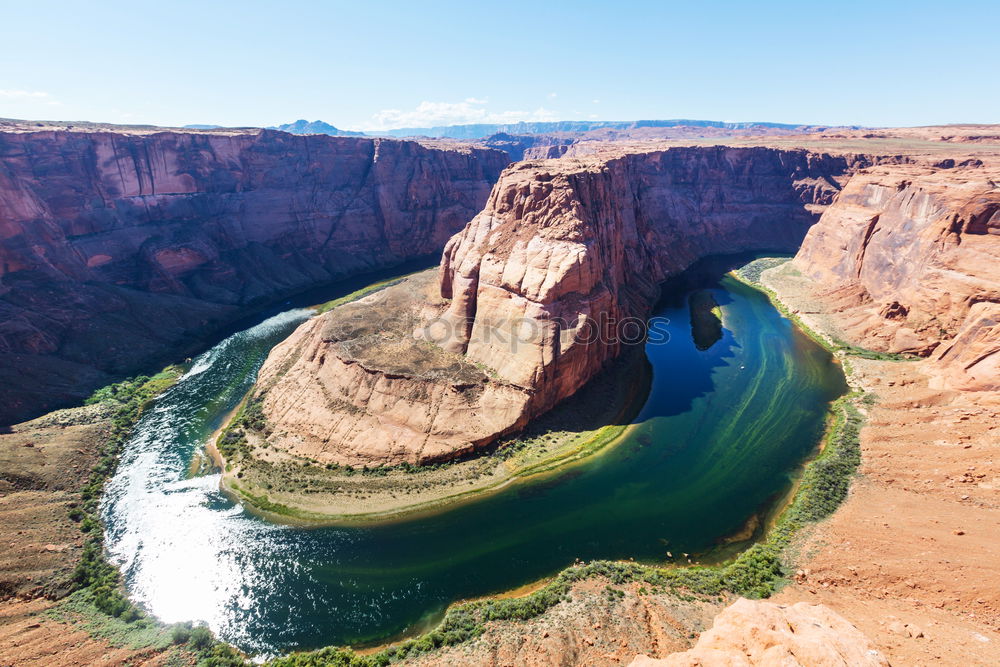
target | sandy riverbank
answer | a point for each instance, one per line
(916, 542)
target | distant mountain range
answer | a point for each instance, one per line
(482, 130)
(315, 127)
(478, 131)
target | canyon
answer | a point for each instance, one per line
(909, 255)
(533, 292)
(123, 250)
(895, 257)
(563, 251)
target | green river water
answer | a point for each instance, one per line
(719, 438)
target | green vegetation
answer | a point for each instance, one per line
(755, 573)
(864, 353)
(93, 572)
(82, 609)
(182, 639)
(573, 431)
(750, 273)
(233, 442)
(360, 294)
(265, 504)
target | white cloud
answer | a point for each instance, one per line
(470, 110)
(596, 101)
(27, 97)
(553, 96)
(22, 94)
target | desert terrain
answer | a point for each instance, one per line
(909, 560)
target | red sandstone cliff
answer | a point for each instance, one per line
(118, 250)
(562, 246)
(909, 255)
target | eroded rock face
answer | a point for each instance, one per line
(356, 387)
(909, 255)
(565, 250)
(762, 634)
(535, 290)
(119, 250)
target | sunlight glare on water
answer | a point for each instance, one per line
(186, 550)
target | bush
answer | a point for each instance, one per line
(93, 571)
(201, 638)
(181, 633)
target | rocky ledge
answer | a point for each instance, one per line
(754, 632)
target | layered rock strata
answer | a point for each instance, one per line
(355, 387)
(119, 250)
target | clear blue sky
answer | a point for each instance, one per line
(370, 65)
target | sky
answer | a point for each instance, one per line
(380, 65)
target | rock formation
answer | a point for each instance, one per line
(354, 386)
(763, 634)
(536, 288)
(118, 251)
(910, 255)
(528, 146)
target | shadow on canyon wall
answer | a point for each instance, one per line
(123, 252)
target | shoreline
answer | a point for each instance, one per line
(911, 544)
(538, 596)
(528, 461)
(450, 493)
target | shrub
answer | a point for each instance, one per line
(181, 633)
(201, 638)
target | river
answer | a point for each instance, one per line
(719, 439)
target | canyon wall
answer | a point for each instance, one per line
(118, 251)
(568, 249)
(909, 255)
(532, 292)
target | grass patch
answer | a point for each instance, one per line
(865, 353)
(360, 294)
(81, 609)
(232, 443)
(264, 503)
